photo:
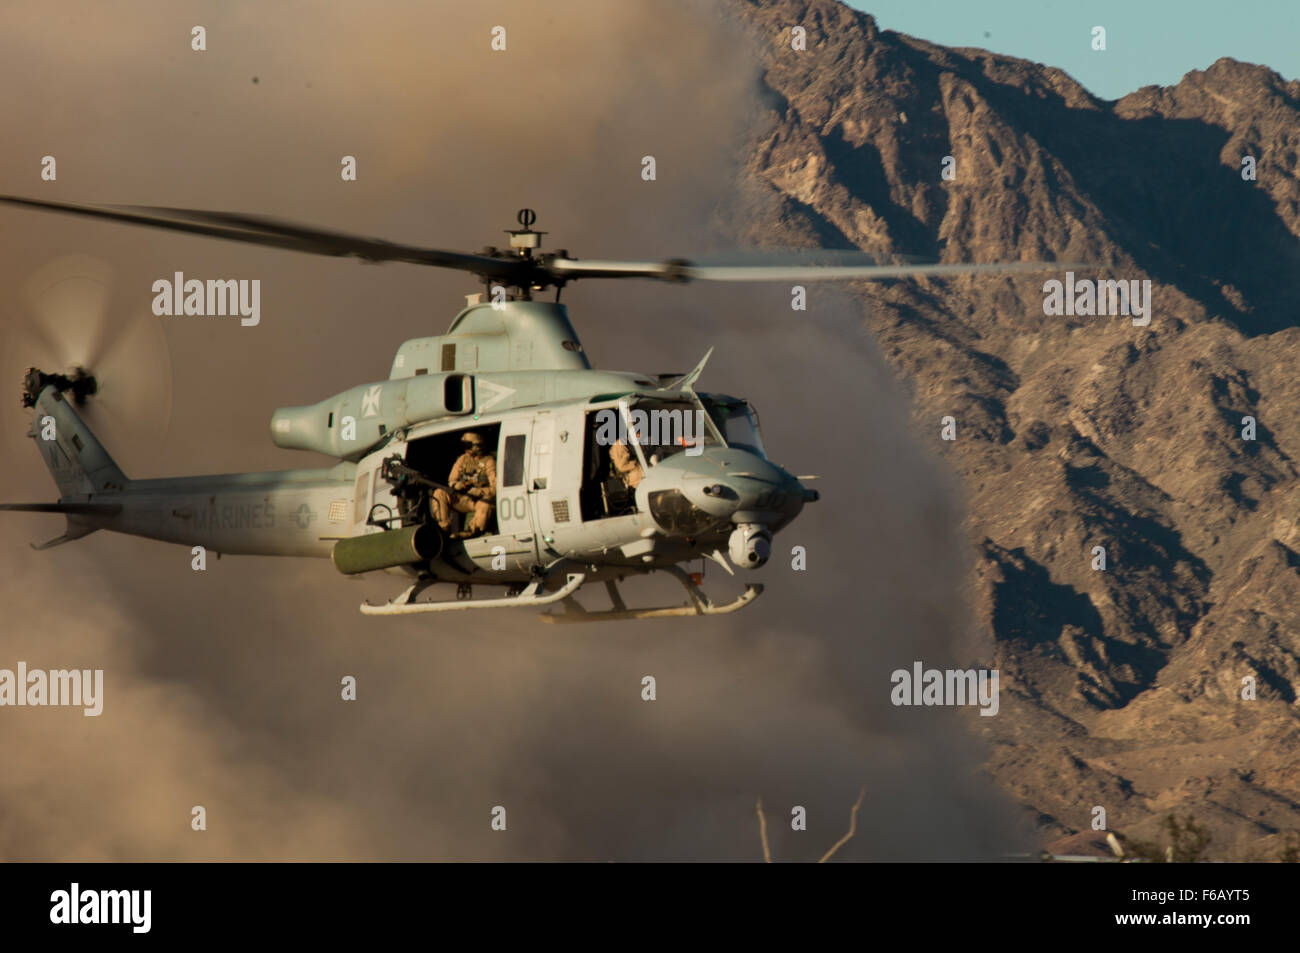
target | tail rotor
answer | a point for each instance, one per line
(112, 361)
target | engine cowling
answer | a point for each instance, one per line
(349, 424)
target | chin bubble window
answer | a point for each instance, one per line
(678, 516)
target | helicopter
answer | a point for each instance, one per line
(583, 476)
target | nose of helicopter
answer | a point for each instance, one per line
(689, 495)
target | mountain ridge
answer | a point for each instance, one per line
(1122, 687)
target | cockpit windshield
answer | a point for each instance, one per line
(667, 427)
(738, 423)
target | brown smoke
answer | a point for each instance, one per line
(222, 688)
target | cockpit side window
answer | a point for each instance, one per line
(738, 423)
(662, 428)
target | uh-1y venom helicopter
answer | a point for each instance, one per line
(511, 370)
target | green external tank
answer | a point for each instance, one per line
(386, 550)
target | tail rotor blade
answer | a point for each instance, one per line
(67, 318)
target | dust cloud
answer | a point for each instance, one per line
(222, 688)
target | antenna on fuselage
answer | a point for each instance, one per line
(524, 240)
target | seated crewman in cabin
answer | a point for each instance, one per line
(474, 482)
(625, 464)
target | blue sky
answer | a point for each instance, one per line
(1147, 41)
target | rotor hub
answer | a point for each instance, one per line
(81, 384)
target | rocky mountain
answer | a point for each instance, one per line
(1122, 687)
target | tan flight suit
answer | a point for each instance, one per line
(625, 464)
(475, 480)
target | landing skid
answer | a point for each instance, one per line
(699, 604)
(405, 604)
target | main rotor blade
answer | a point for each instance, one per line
(259, 230)
(686, 271)
(801, 265)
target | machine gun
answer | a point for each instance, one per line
(412, 489)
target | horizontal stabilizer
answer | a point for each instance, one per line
(76, 528)
(74, 509)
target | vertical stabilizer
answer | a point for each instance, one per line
(77, 460)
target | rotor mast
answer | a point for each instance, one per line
(523, 242)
